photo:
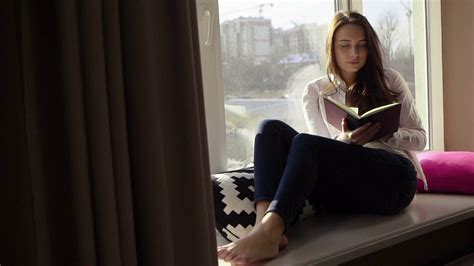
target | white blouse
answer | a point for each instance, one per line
(410, 136)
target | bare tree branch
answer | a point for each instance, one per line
(388, 34)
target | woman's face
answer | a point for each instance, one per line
(350, 48)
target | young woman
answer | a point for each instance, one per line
(339, 170)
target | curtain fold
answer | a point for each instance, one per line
(113, 133)
(118, 123)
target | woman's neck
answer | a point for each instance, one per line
(349, 78)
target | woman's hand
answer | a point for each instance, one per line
(360, 135)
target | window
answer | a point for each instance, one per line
(257, 57)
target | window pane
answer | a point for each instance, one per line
(392, 20)
(270, 51)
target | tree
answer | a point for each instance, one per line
(397, 51)
(388, 35)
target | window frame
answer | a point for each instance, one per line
(435, 74)
(429, 66)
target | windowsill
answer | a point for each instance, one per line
(337, 239)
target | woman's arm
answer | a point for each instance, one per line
(410, 135)
(312, 112)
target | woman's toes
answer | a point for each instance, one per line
(229, 256)
(221, 254)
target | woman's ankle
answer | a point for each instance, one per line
(273, 223)
(261, 208)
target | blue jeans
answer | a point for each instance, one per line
(335, 176)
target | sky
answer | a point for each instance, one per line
(286, 13)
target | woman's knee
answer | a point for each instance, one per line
(271, 126)
(303, 139)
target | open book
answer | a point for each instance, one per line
(387, 115)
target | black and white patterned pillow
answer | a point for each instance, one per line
(233, 203)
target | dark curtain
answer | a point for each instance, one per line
(103, 141)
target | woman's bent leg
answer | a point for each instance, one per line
(272, 145)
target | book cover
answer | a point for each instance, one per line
(387, 115)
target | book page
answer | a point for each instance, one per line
(378, 109)
(353, 111)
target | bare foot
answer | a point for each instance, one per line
(255, 246)
(227, 256)
(263, 242)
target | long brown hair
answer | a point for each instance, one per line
(370, 89)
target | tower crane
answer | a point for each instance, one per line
(260, 8)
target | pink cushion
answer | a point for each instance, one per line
(448, 172)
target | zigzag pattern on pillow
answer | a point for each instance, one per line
(233, 203)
